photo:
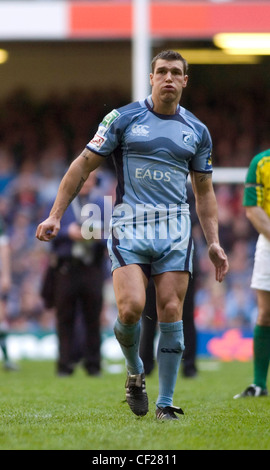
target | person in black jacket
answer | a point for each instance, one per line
(5, 285)
(74, 284)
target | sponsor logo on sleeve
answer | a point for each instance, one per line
(108, 120)
(97, 141)
(209, 162)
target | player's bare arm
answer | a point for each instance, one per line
(259, 219)
(69, 187)
(5, 276)
(207, 211)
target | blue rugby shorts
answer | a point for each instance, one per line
(158, 246)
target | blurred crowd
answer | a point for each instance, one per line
(38, 140)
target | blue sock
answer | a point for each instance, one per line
(128, 337)
(169, 355)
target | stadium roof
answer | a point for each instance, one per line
(28, 20)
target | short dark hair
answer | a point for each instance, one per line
(169, 55)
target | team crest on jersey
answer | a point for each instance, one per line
(188, 137)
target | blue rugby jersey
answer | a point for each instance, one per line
(153, 153)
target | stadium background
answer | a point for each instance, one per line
(69, 63)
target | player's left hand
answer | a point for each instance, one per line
(219, 260)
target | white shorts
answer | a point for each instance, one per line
(261, 271)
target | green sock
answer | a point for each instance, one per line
(261, 354)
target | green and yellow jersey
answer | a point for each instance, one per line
(257, 184)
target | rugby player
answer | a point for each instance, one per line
(156, 144)
(257, 204)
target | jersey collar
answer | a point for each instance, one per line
(150, 105)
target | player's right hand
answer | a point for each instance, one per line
(48, 229)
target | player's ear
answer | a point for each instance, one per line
(185, 81)
(151, 79)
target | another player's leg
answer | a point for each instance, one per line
(171, 289)
(261, 349)
(8, 365)
(149, 329)
(129, 287)
(4, 330)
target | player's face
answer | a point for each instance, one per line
(168, 80)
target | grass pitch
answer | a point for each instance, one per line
(39, 411)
